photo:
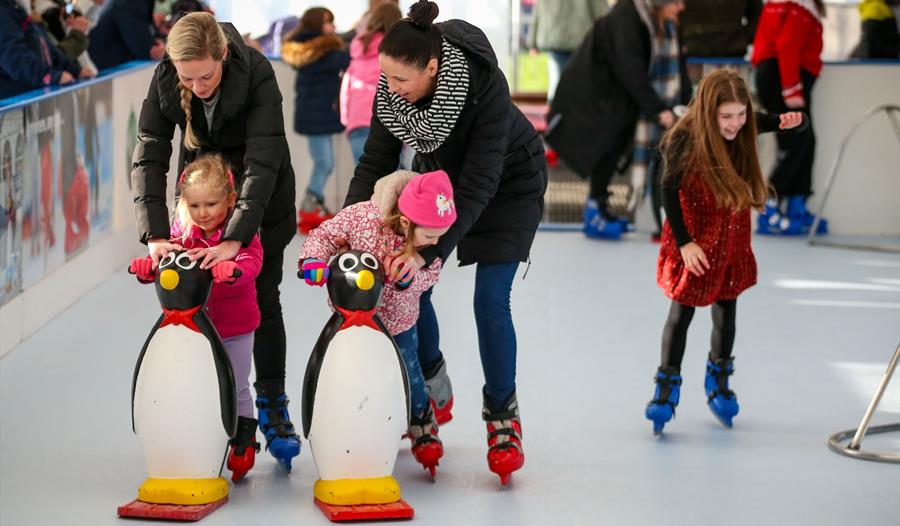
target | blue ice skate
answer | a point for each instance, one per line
(275, 423)
(597, 225)
(721, 400)
(797, 212)
(772, 222)
(661, 409)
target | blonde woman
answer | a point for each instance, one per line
(223, 97)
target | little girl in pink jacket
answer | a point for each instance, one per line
(406, 213)
(206, 202)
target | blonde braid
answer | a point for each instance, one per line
(190, 140)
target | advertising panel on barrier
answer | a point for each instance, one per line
(12, 157)
(58, 189)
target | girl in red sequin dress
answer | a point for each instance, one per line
(712, 178)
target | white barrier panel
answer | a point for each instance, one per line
(68, 215)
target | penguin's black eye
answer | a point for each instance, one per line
(168, 260)
(348, 262)
(369, 261)
(185, 262)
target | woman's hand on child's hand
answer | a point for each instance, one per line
(314, 272)
(789, 120)
(142, 268)
(225, 272)
(159, 248)
(694, 259)
(224, 251)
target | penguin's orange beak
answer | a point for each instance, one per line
(365, 280)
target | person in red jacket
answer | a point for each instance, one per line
(786, 57)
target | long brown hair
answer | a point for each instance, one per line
(380, 20)
(313, 19)
(195, 36)
(730, 170)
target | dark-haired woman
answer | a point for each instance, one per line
(442, 94)
(224, 98)
(320, 59)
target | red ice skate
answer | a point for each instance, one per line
(426, 445)
(504, 430)
(242, 454)
(312, 214)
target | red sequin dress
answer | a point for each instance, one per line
(724, 236)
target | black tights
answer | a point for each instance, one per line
(674, 337)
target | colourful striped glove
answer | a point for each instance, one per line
(315, 271)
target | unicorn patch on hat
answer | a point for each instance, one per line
(444, 205)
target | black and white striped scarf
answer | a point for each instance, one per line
(425, 129)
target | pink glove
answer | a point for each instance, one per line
(143, 269)
(315, 271)
(225, 272)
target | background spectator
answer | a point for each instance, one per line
(880, 38)
(718, 28)
(28, 59)
(320, 59)
(125, 32)
(558, 27)
(603, 91)
(361, 78)
(787, 57)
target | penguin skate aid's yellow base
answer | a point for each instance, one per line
(183, 491)
(347, 492)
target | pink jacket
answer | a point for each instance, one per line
(360, 81)
(360, 226)
(231, 307)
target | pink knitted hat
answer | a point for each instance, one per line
(427, 200)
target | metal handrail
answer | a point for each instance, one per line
(852, 449)
(893, 113)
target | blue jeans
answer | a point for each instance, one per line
(322, 153)
(493, 320)
(408, 342)
(357, 138)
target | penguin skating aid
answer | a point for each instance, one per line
(356, 399)
(184, 403)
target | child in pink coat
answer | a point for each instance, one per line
(206, 202)
(406, 213)
(361, 77)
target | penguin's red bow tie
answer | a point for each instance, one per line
(354, 318)
(180, 317)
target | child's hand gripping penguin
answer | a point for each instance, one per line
(184, 406)
(355, 394)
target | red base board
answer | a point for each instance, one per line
(365, 512)
(175, 512)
